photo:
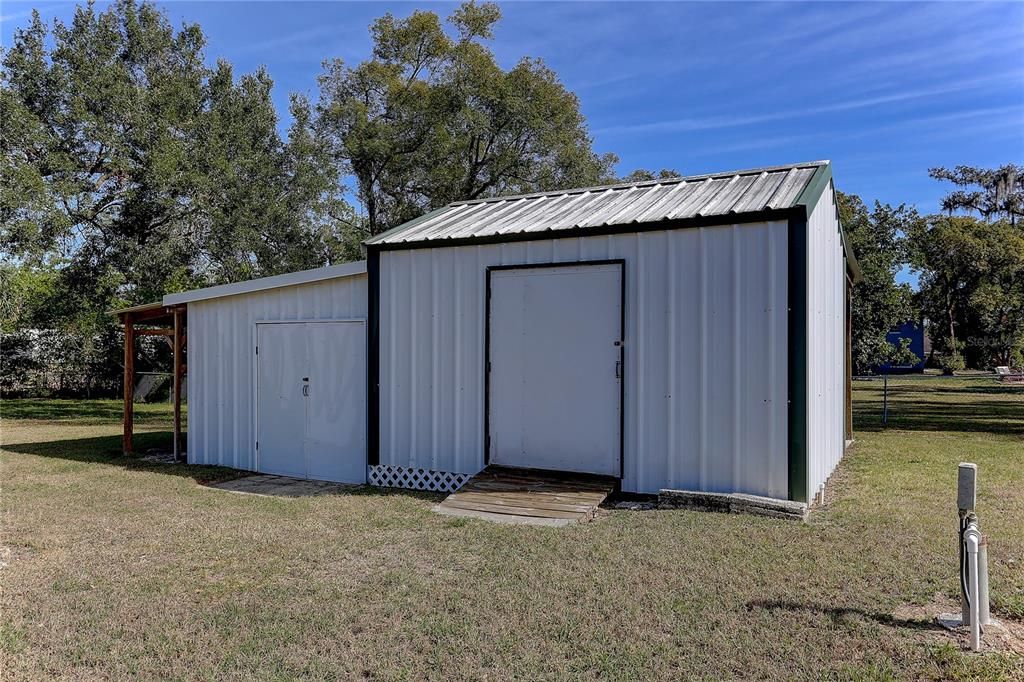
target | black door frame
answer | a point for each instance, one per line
(621, 262)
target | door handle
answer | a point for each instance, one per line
(618, 369)
(305, 390)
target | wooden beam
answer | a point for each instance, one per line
(154, 332)
(177, 382)
(152, 314)
(129, 383)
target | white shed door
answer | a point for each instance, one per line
(281, 362)
(555, 342)
(311, 400)
(336, 405)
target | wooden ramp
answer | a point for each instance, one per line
(529, 496)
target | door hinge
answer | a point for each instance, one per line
(257, 350)
(257, 445)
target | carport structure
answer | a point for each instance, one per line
(153, 319)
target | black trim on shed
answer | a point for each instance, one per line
(796, 357)
(373, 357)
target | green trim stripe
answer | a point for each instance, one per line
(797, 358)
(812, 192)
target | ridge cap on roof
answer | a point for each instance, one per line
(642, 183)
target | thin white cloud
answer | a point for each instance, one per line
(305, 37)
(16, 15)
(716, 122)
(753, 144)
(987, 119)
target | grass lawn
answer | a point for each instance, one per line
(120, 568)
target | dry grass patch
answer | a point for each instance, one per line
(131, 569)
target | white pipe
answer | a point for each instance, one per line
(971, 539)
(983, 606)
(965, 577)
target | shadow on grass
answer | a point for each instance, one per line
(373, 491)
(917, 413)
(838, 614)
(922, 387)
(107, 450)
(81, 412)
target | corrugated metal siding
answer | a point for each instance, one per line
(705, 367)
(221, 362)
(826, 272)
(678, 198)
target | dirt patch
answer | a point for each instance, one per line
(1002, 635)
(162, 456)
(9, 554)
(280, 486)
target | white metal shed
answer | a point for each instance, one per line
(493, 336)
(689, 333)
(277, 371)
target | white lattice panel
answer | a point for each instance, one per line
(388, 476)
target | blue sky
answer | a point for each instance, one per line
(885, 90)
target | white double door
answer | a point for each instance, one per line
(555, 368)
(311, 400)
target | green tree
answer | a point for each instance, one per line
(432, 118)
(270, 206)
(133, 169)
(879, 304)
(644, 175)
(24, 293)
(972, 288)
(992, 193)
(101, 146)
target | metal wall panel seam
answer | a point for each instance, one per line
(640, 366)
(772, 340)
(673, 446)
(738, 402)
(457, 370)
(703, 360)
(434, 359)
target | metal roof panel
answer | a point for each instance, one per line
(724, 194)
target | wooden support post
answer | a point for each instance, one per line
(177, 382)
(129, 383)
